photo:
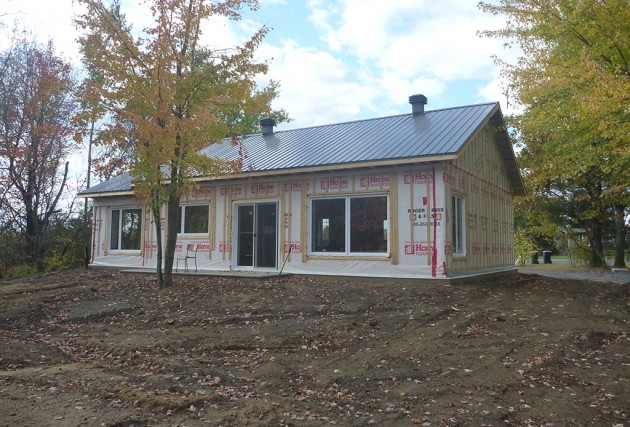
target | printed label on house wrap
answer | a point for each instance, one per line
(294, 246)
(201, 193)
(235, 191)
(373, 182)
(293, 186)
(327, 185)
(418, 247)
(203, 247)
(263, 189)
(420, 177)
(150, 245)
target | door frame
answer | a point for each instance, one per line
(235, 233)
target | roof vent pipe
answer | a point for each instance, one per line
(417, 104)
(267, 125)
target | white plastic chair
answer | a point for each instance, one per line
(191, 253)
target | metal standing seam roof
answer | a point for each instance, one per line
(118, 184)
(435, 133)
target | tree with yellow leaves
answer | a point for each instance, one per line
(573, 82)
(171, 94)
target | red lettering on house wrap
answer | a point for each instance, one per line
(448, 248)
(421, 248)
(293, 186)
(418, 248)
(150, 245)
(201, 193)
(294, 246)
(408, 248)
(418, 178)
(474, 186)
(334, 184)
(234, 191)
(374, 182)
(203, 247)
(263, 189)
(448, 178)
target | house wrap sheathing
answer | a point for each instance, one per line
(424, 195)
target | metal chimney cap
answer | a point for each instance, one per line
(417, 104)
(267, 125)
(418, 99)
(267, 122)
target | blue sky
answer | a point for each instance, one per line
(338, 60)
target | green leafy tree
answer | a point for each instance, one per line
(573, 82)
(170, 96)
(537, 225)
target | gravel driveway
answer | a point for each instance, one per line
(621, 277)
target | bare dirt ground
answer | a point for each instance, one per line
(102, 348)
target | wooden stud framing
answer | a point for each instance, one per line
(304, 221)
(393, 220)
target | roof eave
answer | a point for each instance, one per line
(331, 167)
(507, 152)
(495, 119)
(300, 170)
(105, 194)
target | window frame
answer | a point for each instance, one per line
(119, 227)
(458, 229)
(182, 222)
(347, 252)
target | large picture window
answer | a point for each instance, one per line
(459, 228)
(349, 225)
(193, 219)
(125, 229)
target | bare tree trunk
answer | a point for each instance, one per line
(597, 244)
(32, 232)
(37, 222)
(620, 237)
(171, 238)
(158, 237)
(89, 170)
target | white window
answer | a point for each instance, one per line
(125, 229)
(193, 219)
(459, 226)
(349, 225)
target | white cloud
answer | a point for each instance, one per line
(376, 53)
(53, 19)
(406, 46)
(46, 20)
(315, 86)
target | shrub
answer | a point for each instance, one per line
(524, 247)
(22, 270)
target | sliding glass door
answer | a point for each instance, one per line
(256, 235)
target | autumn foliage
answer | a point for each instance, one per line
(572, 83)
(37, 107)
(169, 93)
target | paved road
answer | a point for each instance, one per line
(622, 277)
